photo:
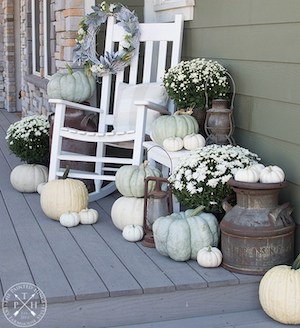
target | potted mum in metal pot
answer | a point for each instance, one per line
(187, 82)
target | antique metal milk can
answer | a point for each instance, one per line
(256, 233)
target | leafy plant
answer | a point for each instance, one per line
(185, 83)
(28, 138)
(201, 177)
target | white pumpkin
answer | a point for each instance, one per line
(133, 232)
(258, 167)
(173, 144)
(279, 293)
(272, 174)
(69, 219)
(40, 187)
(209, 257)
(193, 141)
(27, 177)
(127, 210)
(88, 216)
(247, 174)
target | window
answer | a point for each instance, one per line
(41, 55)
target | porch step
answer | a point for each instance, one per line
(245, 319)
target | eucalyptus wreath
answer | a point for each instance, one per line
(109, 63)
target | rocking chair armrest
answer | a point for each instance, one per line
(151, 105)
(76, 105)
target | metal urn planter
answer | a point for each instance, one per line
(256, 233)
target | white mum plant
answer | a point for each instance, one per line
(201, 177)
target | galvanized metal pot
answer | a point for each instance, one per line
(257, 233)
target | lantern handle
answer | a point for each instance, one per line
(233, 91)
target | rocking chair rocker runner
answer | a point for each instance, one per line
(135, 105)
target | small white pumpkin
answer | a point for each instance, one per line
(40, 187)
(247, 174)
(193, 141)
(133, 232)
(69, 219)
(127, 210)
(173, 144)
(272, 174)
(209, 257)
(27, 177)
(88, 216)
(258, 167)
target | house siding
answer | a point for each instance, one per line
(256, 40)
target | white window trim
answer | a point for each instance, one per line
(45, 39)
(165, 10)
(34, 45)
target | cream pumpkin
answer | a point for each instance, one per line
(279, 293)
(126, 211)
(62, 196)
(27, 177)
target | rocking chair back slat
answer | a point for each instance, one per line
(159, 48)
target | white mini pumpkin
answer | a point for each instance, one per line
(127, 210)
(258, 167)
(193, 141)
(247, 174)
(27, 177)
(209, 257)
(133, 232)
(173, 144)
(69, 219)
(88, 216)
(272, 174)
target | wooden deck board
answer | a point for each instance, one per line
(113, 273)
(147, 274)
(82, 277)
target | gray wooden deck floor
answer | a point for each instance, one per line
(92, 277)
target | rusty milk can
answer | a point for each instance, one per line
(256, 233)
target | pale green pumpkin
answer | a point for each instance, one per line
(181, 235)
(73, 86)
(130, 179)
(176, 125)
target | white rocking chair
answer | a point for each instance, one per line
(162, 44)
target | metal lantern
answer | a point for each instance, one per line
(157, 203)
(219, 124)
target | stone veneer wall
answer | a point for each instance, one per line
(65, 16)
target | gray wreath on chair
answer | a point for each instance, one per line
(85, 50)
